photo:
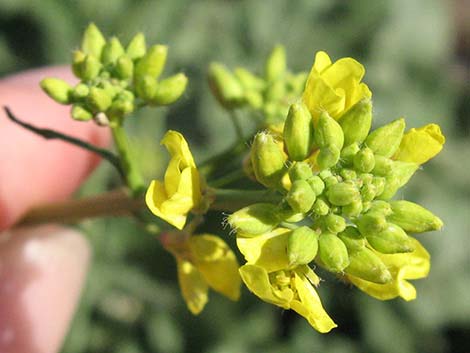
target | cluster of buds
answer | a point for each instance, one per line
(114, 80)
(336, 180)
(269, 94)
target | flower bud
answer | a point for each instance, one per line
(385, 140)
(371, 223)
(400, 175)
(379, 183)
(78, 57)
(342, 194)
(316, 184)
(328, 157)
(356, 122)
(300, 196)
(353, 209)
(136, 47)
(79, 112)
(334, 223)
(381, 207)
(170, 90)
(253, 99)
(57, 89)
(328, 132)
(364, 160)
(287, 214)
(121, 107)
(248, 80)
(367, 265)
(152, 62)
(301, 171)
(275, 91)
(225, 86)
(146, 87)
(255, 219)
(298, 132)
(413, 218)
(383, 166)
(348, 174)
(348, 153)
(80, 91)
(353, 240)
(391, 240)
(124, 67)
(302, 246)
(275, 65)
(112, 51)
(93, 41)
(98, 99)
(321, 207)
(330, 181)
(368, 192)
(90, 68)
(333, 252)
(268, 160)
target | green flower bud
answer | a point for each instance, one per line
(300, 171)
(379, 184)
(342, 194)
(321, 207)
(298, 132)
(381, 207)
(400, 175)
(225, 86)
(136, 47)
(328, 156)
(80, 91)
(79, 112)
(353, 240)
(328, 132)
(300, 196)
(275, 66)
(146, 87)
(121, 107)
(248, 80)
(353, 209)
(90, 68)
(334, 223)
(98, 99)
(287, 214)
(333, 252)
(57, 89)
(371, 223)
(330, 181)
(316, 184)
(255, 219)
(383, 166)
(112, 51)
(78, 57)
(170, 89)
(348, 174)
(413, 218)
(253, 99)
(302, 246)
(391, 240)
(366, 178)
(356, 122)
(275, 91)
(93, 41)
(385, 140)
(124, 67)
(367, 265)
(368, 192)
(268, 160)
(364, 160)
(152, 62)
(348, 153)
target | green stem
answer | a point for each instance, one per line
(133, 177)
(237, 125)
(232, 199)
(228, 178)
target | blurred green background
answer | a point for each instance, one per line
(417, 56)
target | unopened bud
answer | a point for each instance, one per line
(253, 99)
(225, 86)
(364, 160)
(328, 157)
(385, 140)
(348, 174)
(391, 240)
(78, 57)
(248, 80)
(300, 196)
(371, 223)
(302, 246)
(298, 132)
(93, 41)
(98, 99)
(383, 166)
(356, 122)
(275, 91)
(79, 112)
(275, 65)
(353, 240)
(300, 171)
(368, 192)
(353, 209)
(330, 181)
(413, 218)
(342, 194)
(57, 89)
(146, 87)
(381, 207)
(334, 223)
(121, 107)
(400, 175)
(268, 160)
(321, 207)
(90, 68)
(316, 184)
(328, 132)
(80, 91)
(333, 252)
(348, 153)
(366, 265)
(379, 183)
(112, 51)
(124, 67)
(136, 47)
(152, 62)
(255, 219)
(170, 90)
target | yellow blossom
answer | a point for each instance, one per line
(181, 190)
(334, 87)
(402, 267)
(203, 261)
(420, 145)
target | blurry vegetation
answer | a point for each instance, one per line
(132, 302)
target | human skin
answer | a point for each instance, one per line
(42, 269)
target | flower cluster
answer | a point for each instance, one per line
(115, 81)
(335, 179)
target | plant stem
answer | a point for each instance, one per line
(237, 125)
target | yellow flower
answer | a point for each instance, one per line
(402, 267)
(181, 190)
(268, 276)
(203, 261)
(334, 87)
(420, 145)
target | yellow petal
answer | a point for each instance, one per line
(192, 285)
(322, 62)
(319, 96)
(178, 147)
(267, 250)
(217, 264)
(155, 198)
(420, 145)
